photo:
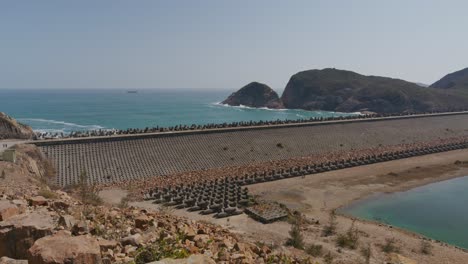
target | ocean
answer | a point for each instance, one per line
(437, 210)
(66, 110)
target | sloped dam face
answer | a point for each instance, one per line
(118, 158)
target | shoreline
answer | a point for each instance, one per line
(315, 196)
(399, 229)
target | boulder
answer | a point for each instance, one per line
(19, 233)
(8, 210)
(7, 260)
(67, 221)
(134, 240)
(107, 244)
(142, 222)
(80, 228)
(193, 259)
(37, 201)
(62, 248)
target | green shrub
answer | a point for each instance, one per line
(330, 228)
(390, 246)
(88, 193)
(295, 237)
(426, 247)
(349, 239)
(314, 250)
(163, 248)
(48, 194)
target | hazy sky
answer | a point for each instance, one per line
(224, 44)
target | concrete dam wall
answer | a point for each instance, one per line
(112, 159)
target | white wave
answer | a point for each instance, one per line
(50, 130)
(66, 124)
(248, 107)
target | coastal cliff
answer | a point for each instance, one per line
(11, 129)
(255, 94)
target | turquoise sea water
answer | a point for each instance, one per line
(437, 210)
(71, 110)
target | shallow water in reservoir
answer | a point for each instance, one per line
(438, 210)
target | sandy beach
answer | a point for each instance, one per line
(317, 195)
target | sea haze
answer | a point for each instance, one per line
(71, 110)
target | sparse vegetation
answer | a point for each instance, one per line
(366, 252)
(390, 246)
(328, 258)
(349, 239)
(163, 248)
(164, 209)
(280, 145)
(49, 170)
(296, 239)
(426, 247)
(314, 250)
(330, 228)
(88, 193)
(48, 194)
(124, 202)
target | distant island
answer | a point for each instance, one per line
(346, 91)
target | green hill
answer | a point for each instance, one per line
(347, 91)
(455, 80)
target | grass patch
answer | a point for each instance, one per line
(296, 239)
(350, 239)
(330, 228)
(426, 247)
(161, 249)
(124, 202)
(314, 250)
(88, 193)
(48, 194)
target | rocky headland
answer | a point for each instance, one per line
(255, 94)
(346, 91)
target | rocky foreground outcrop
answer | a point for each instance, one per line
(255, 94)
(43, 226)
(11, 129)
(64, 248)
